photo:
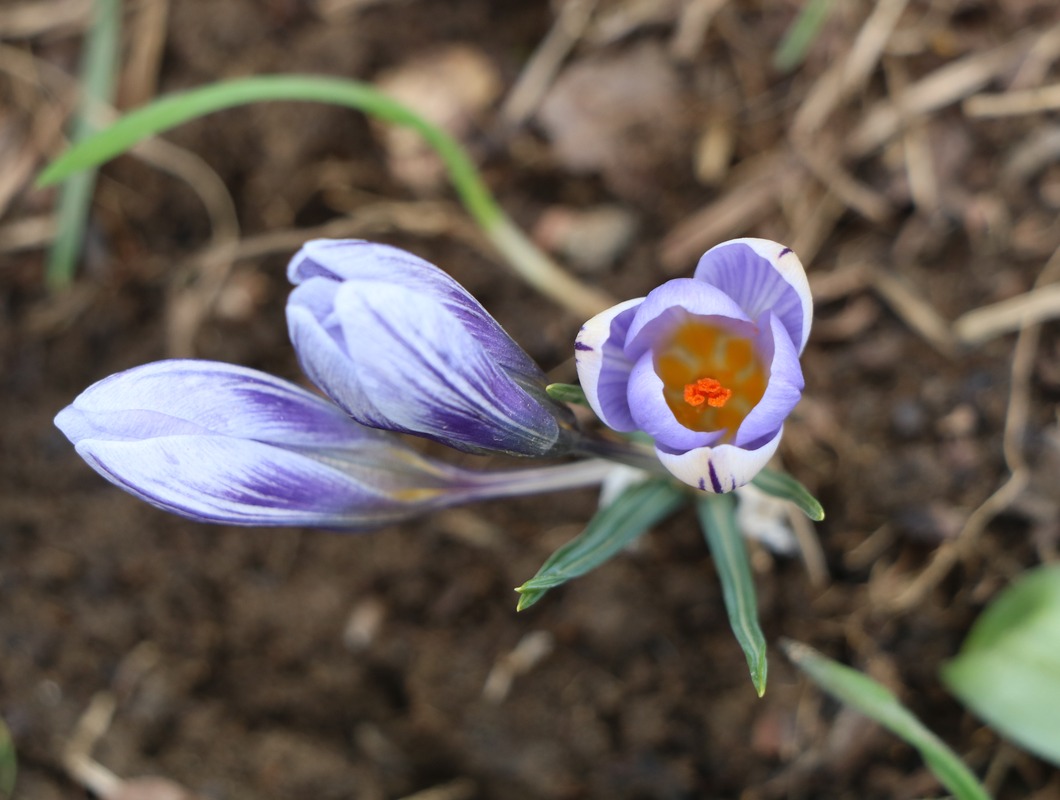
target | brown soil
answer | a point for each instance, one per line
(287, 664)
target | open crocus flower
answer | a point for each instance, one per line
(219, 443)
(708, 366)
(401, 346)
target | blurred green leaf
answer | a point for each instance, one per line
(8, 763)
(1008, 671)
(782, 485)
(801, 35)
(717, 518)
(612, 528)
(875, 701)
(175, 109)
(567, 393)
(99, 66)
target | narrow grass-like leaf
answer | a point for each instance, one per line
(176, 109)
(717, 518)
(609, 531)
(567, 393)
(782, 485)
(801, 35)
(8, 763)
(1008, 671)
(875, 701)
(533, 266)
(98, 70)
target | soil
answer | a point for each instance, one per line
(264, 664)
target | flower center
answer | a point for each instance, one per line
(707, 390)
(712, 377)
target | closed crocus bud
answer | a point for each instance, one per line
(219, 443)
(708, 366)
(401, 346)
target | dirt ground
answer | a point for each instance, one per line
(289, 664)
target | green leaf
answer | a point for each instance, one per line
(609, 531)
(875, 701)
(717, 518)
(98, 70)
(8, 763)
(169, 112)
(1008, 671)
(801, 35)
(567, 393)
(782, 485)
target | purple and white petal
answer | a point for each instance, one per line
(239, 482)
(189, 396)
(424, 373)
(719, 469)
(783, 390)
(335, 261)
(666, 307)
(762, 276)
(652, 415)
(603, 369)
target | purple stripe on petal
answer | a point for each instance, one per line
(583, 347)
(238, 482)
(187, 396)
(715, 482)
(435, 378)
(732, 466)
(335, 261)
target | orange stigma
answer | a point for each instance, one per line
(709, 391)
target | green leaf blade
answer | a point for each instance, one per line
(801, 35)
(785, 487)
(99, 68)
(567, 393)
(176, 109)
(1008, 671)
(8, 763)
(717, 517)
(878, 703)
(608, 533)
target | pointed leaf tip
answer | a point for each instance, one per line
(785, 487)
(717, 518)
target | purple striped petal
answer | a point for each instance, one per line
(238, 482)
(603, 369)
(762, 276)
(722, 468)
(188, 396)
(335, 261)
(220, 443)
(402, 347)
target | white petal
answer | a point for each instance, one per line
(719, 469)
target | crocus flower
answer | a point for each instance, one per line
(219, 443)
(400, 346)
(708, 366)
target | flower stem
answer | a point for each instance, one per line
(539, 480)
(629, 453)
